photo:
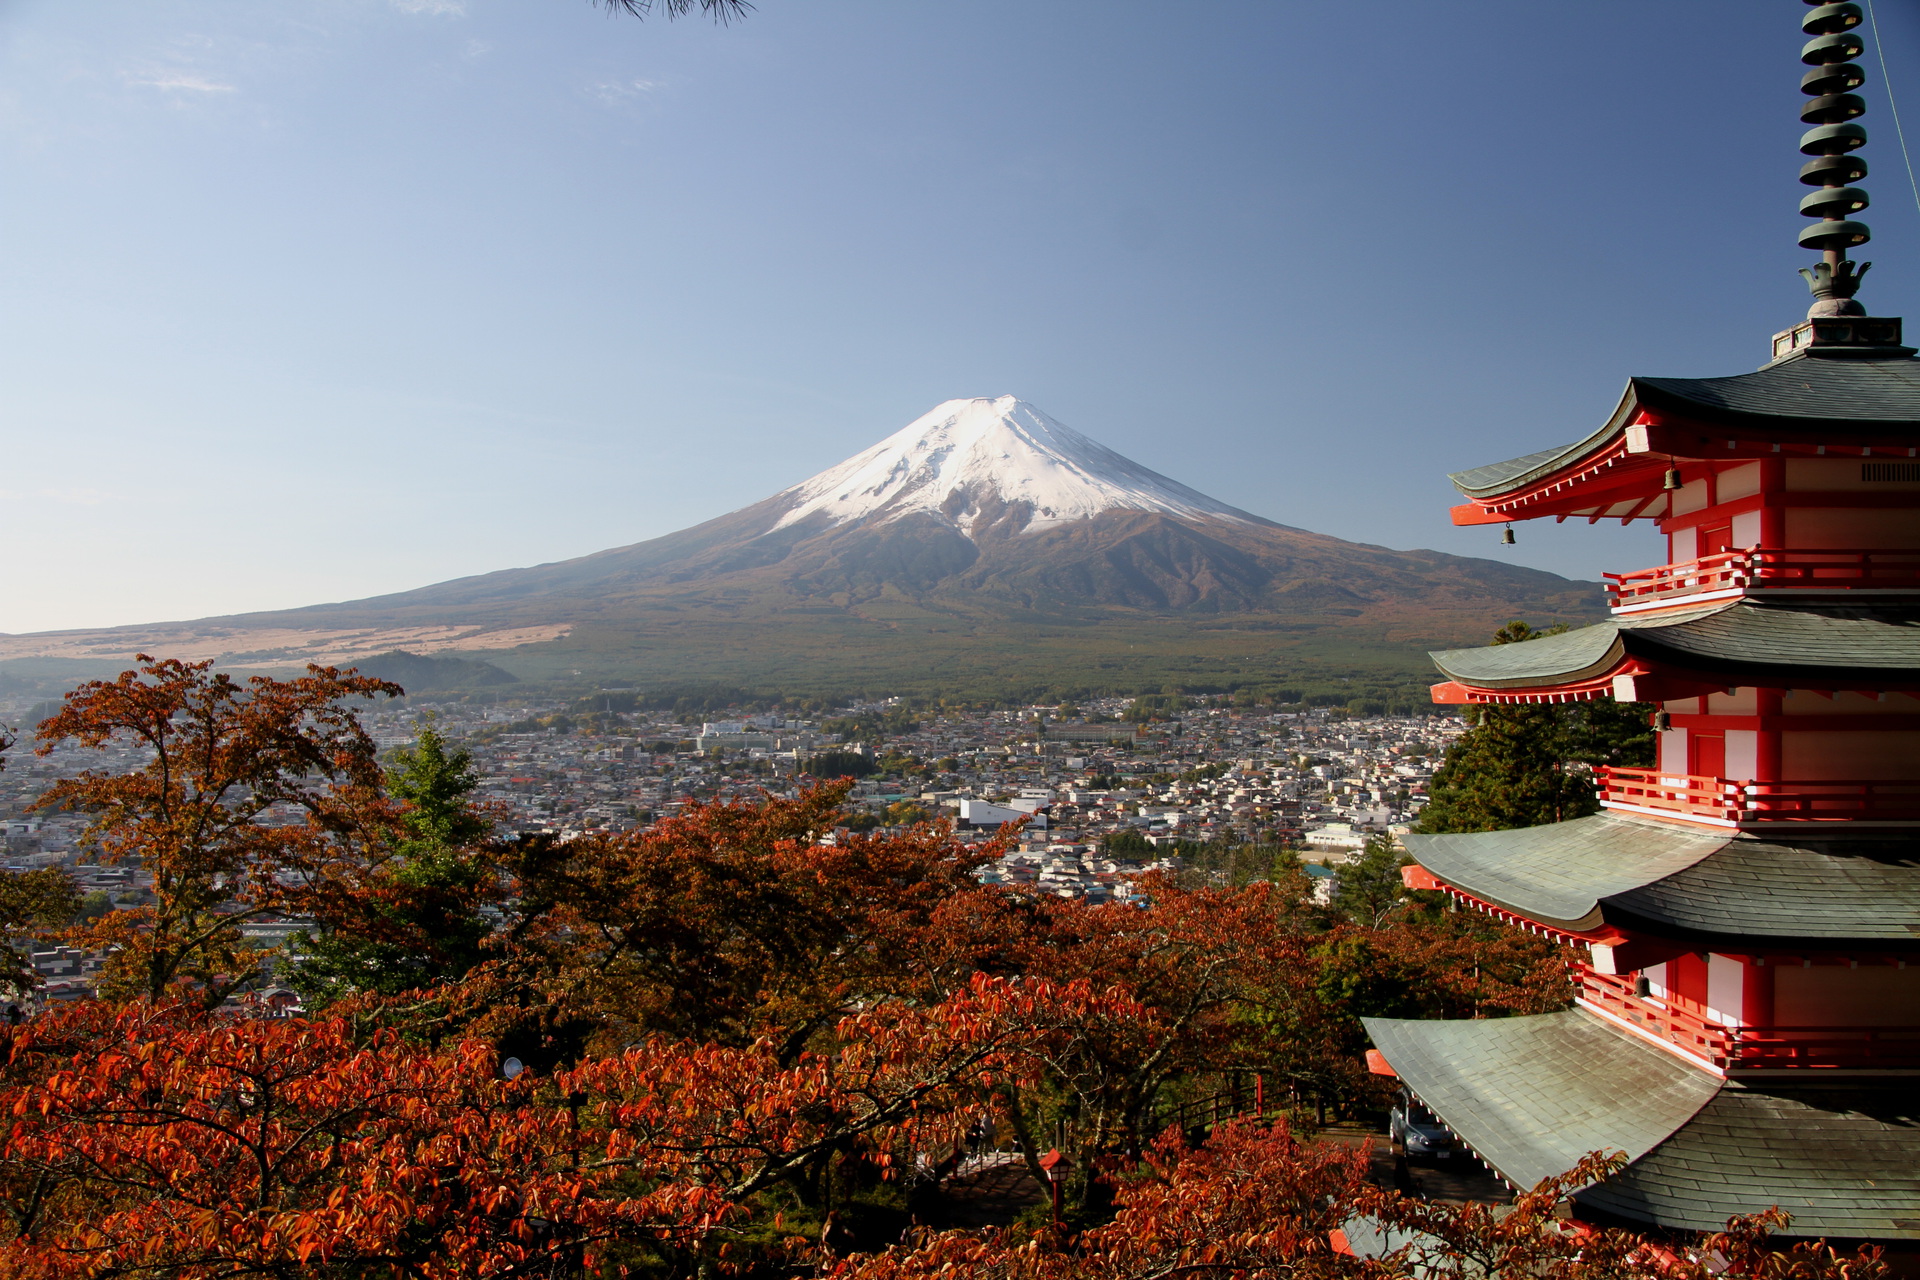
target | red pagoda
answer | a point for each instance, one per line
(1747, 1028)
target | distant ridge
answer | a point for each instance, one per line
(984, 543)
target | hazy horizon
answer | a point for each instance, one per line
(323, 302)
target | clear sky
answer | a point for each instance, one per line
(316, 299)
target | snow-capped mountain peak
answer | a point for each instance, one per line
(970, 456)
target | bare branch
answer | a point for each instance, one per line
(722, 11)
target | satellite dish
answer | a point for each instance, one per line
(511, 1068)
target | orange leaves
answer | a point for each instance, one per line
(221, 759)
(209, 1148)
(204, 1147)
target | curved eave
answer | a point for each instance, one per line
(1532, 1095)
(1560, 874)
(1611, 879)
(1863, 408)
(1687, 653)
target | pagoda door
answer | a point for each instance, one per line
(1707, 755)
(1716, 538)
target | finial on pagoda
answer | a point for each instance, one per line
(1836, 324)
(1834, 169)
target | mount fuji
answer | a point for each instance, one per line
(984, 544)
(999, 459)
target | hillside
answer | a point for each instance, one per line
(983, 547)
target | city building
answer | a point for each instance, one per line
(1747, 1029)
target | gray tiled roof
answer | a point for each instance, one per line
(1790, 642)
(1662, 879)
(1559, 873)
(1835, 891)
(1810, 390)
(1845, 1162)
(1533, 1095)
(1805, 392)
(1498, 477)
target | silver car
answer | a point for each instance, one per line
(1417, 1131)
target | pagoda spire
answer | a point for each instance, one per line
(1836, 325)
(1831, 109)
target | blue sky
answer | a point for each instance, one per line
(311, 301)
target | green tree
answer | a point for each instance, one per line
(419, 917)
(1523, 765)
(1369, 887)
(839, 764)
(31, 904)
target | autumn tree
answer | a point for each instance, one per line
(415, 915)
(159, 1140)
(1255, 1203)
(247, 793)
(155, 1141)
(731, 923)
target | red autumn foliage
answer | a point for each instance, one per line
(221, 757)
(153, 1139)
(737, 1031)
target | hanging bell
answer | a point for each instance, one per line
(1671, 481)
(1506, 536)
(1662, 721)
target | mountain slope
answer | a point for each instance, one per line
(983, 539)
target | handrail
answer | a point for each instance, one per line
(1746, 801)
(1739, 1047)
(1688, 1032)
(1767, 568)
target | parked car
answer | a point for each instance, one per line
(1417, 1131)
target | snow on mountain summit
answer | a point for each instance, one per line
(970, 456)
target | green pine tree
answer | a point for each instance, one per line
(421, 921)
(1527, 764)
(1367, 888)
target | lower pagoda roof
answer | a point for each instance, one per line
(1532, 1095)
(1843, 1162)
(1647, 876)
(1737, 642)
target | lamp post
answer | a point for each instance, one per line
(1056, 1167)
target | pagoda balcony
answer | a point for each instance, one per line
(1738, 1048)
(1727, 574)
(1727, 802)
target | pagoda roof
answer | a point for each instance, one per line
(1843, 1161)
(1531, 1095)
(1804, 395)
(1660, 878)
(1798, 645)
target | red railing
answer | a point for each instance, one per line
(1708, 1041)
(1753, 1048)
(1765, 568)
(1744, 802)
(1885, 1048)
